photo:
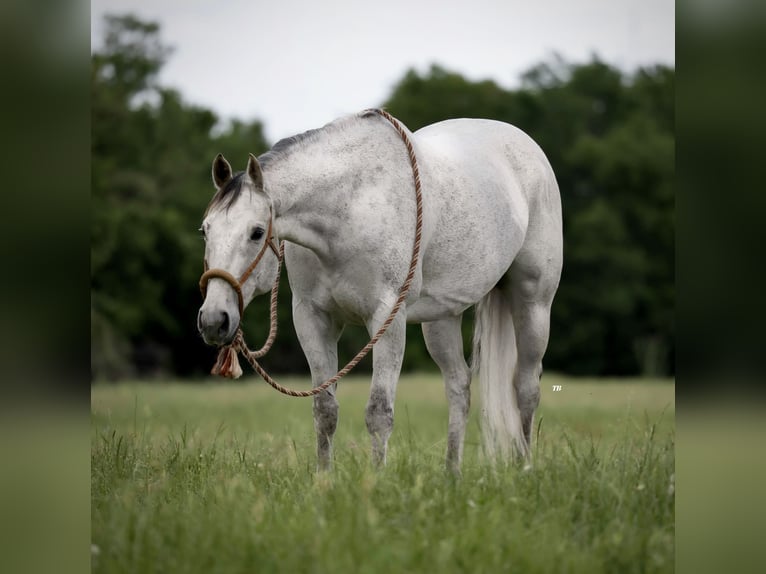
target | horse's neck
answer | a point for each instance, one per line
(302, 192)
(310, 186)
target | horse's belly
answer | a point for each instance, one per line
(464, 259)
(454, 281)
(427, 309)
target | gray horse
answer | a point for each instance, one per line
(342, 197)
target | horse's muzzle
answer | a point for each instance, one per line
(217, 327)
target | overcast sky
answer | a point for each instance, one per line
(298, 64)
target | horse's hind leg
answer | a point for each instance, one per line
(445, 345)
(531, 294)
(318, 334)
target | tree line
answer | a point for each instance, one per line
(609, 135)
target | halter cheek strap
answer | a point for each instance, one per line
(230, 279)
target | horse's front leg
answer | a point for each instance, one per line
(445, 344)
(318, 334)
(386, 364)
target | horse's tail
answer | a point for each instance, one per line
(494, 359)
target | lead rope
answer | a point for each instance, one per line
(228, 365)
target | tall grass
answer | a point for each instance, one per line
(220, 478)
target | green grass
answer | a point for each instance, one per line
(219, 477)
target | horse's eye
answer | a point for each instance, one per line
(202, 231)
(256, 234)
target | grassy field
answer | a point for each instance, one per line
(219, 477)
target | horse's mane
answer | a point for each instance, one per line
(287, 145)
(229, 193)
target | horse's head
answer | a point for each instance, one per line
(236, 227)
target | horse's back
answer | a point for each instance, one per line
(482, 146)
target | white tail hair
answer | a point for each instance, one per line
(494, 359)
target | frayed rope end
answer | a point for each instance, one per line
(227, 364)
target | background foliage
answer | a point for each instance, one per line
(608, 134)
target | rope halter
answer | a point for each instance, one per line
(237, 285)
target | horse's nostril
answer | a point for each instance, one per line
(224, 322)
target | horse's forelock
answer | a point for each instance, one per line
(228, 194)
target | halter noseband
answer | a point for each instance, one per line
(230, 279)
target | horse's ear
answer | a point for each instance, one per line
(221, 171)
(254, 171)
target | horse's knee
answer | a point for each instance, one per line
(458, 387)
(325, 414)
(379, 414)
(461, 401)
